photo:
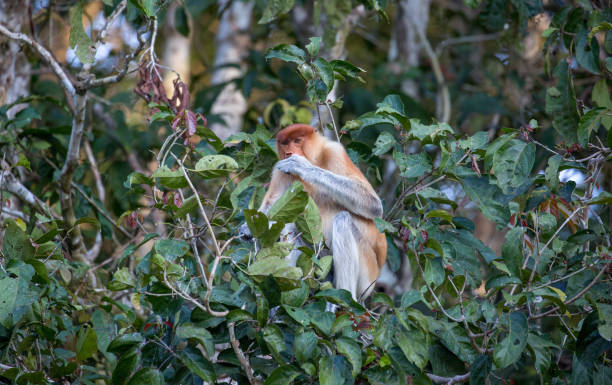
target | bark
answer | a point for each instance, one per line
(232, 42)
(14, 66)
(404, 49)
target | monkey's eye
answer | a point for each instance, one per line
(285, 142)
(297, 140)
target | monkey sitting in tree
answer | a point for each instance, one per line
(346, 201)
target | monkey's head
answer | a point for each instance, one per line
(292, 139)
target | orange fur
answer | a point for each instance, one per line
(302, 139)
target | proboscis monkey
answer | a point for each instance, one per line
(346, 200)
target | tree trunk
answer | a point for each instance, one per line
(177, 50)
(14, 67)
(405, 45)
(232, 42)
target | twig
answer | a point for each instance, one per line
(443, 116)
(559, 229)
(244, 361)
(331, 116)
(194, 245)
(218, 253)
(111, 19)
(574, 298)
(464, 40)
(46, 55)
(11, 184)
(458, 379)
(435, 297)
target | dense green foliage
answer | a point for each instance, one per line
(200, 304)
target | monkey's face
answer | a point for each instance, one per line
(292, 145)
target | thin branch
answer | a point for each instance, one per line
(331, 116)
(464, 40)
(444, 116)
(211, 277)
(576, 297)
(458, 379)
(11, 184)
(244, 361)
(111, 19)
(559, 229)
(46, 56)
(435, 297)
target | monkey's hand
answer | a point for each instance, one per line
(294, 165)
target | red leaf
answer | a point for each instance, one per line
(191, 122)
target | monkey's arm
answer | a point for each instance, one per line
(352, 194)
(279, 182)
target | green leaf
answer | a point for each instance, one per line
(87, 343)
(124, 342)
(541, 350)
(309, 224)
(192, 331)
(512, 250)
(479, 370)
(561, 104)
(89, 220)
(601, 98)
(274, 340)
(138, 178)
(317, 91)
(213, 166)
(352, 351)
(431, 132)
(197, 364)
(345, 69)
(335, 370)
(393, 105)
(325, 71)
(290, 204)
(509, 350)
(413, 165)
(147, 376)
(16, 244)
(16, 295)
(434, 272)
(588, 124)
(384, 226)
(125, 366)
(512, 164)
(384, 143)
(313, 46)
(488, 198)
(122, 279)
(587, 53)
(283, 375)
(287, 52)
(168, 178)
(414, 346)
(78, 37)
(274, 9)
(605, 320)
(305, 346)
(477, 141)
(552, 172)
(171, 249)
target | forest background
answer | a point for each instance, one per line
(136, 136)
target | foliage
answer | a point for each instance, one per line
(200, 304)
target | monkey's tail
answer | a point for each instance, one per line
(346, 254)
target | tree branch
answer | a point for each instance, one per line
(458, 379)
(47, 57)
(244, 361)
